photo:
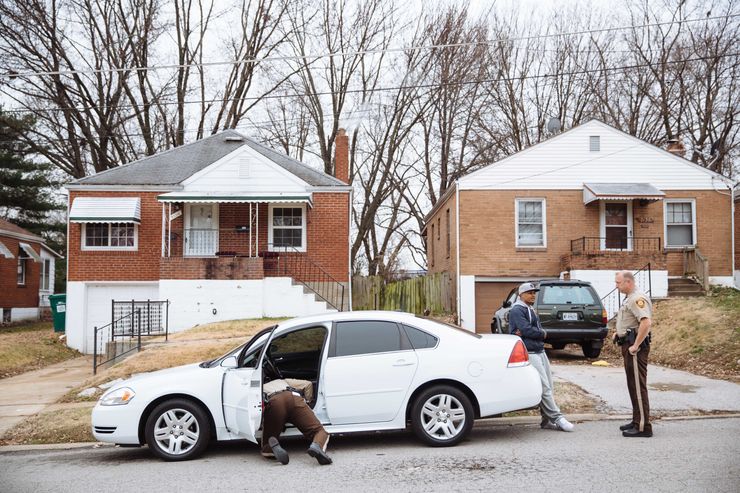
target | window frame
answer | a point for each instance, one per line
(21, 270)
(45, 274)
(666, 225)
(431, 246)
(448, 232)
(544, 221)
(270, 227)
(83, 239)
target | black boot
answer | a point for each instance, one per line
(636, 433)
(626, 427)
(280, 454)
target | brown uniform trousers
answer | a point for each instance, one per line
(286, 407)
(635, 367)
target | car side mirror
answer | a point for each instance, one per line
(506, 304)
(229, 362)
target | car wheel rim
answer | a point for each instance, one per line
(176, 431)
(443, 417)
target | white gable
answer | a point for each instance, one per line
(567, 162)
(245, 171)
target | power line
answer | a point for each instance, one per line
(353, 53)
(378, 89)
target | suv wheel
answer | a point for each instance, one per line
(495, 329)
(589, 351)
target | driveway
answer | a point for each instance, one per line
(671, 391)
(29, 393)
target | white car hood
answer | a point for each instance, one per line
(178, 372)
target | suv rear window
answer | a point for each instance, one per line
(567, 294)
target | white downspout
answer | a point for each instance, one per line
(349, 249)
(732, 235)
(457, 241)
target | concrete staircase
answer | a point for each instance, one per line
(684, 287)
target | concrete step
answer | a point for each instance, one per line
(685, 295)
(683, 281)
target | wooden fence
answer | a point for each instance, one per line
(414, 295)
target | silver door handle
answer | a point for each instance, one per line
(403, 362)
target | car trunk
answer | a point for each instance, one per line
(569, 309)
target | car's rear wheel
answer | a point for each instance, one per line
(495, 329)
(589, 351)
(558, 345)
(177, 429)
(442, 416)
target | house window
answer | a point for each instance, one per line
(530, 223)
(439, 226)
(45, 274)
(21, 269)
(680, 223)
(287, 228)
(431, 247)
(594, 143)
(448, 233)
(109, 236)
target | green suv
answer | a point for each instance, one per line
(570, 311)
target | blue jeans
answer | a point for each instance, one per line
(548, 409)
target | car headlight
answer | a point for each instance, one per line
(118, 397)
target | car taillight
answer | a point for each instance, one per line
(519, 355)
(604, 316)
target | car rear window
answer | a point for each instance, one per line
(419, 339)
(567, 294)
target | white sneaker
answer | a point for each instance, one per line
(563, 424)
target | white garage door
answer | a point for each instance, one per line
(98, 303)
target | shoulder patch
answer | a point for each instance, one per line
(640, 302)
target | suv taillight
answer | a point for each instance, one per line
(519, 355)
(604, 316)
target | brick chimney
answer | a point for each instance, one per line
(341, 156)
(675, 147)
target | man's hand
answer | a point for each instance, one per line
(633, 349)
(615, 338)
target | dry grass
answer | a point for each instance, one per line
(225, 330)
(571, 399)
(67, 425)
(31, 346)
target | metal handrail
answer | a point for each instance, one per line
(631, 244)
(305, 271)
(606, 299)
(112, 326)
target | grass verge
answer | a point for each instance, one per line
(30, 346)
(65, 425)
(571, 399)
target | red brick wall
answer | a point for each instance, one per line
(737, 235)
(327, 240)
(139, 265)
(437, 258)
(211, 268)
(488, 243)
(11, 294)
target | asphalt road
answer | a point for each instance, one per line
(684, 455)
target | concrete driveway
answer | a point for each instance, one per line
(671, 391)
(30, 393)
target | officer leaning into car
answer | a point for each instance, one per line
(633, 335)
(285, 401)
(524, 322)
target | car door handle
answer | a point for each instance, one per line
(403, 362)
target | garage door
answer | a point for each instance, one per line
(489, 296)
(98, 303)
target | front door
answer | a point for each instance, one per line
(616, 226)
(201, 230)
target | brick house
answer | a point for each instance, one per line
(592, 199)
(224, 228)
(26, 273)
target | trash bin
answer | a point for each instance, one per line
(58, 304)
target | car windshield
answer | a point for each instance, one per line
(564, 294)
(236, 351)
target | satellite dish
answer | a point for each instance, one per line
(553, 126)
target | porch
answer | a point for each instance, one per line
(610, 253)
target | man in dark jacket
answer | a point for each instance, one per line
(524, 322)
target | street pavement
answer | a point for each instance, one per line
(684, 455)
(670, 391)
(30, 393)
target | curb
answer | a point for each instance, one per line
(485, 423)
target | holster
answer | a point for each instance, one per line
(631, 337)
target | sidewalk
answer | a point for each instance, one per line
(30, 393)
(671, 391)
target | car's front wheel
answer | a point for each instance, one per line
(442, 416)
(177, 429)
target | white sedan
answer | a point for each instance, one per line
(370, 370)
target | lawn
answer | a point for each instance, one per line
(30, 346)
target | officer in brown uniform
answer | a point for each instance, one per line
(633, 335)
(285, 402)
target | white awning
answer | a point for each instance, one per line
(5, 252)
(106, 210)
(620, 191)
(205, 197)
(30, 251)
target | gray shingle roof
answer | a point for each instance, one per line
(175, 165)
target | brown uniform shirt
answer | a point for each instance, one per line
(636, 307)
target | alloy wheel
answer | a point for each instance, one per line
(443, 417)
(176, 431)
